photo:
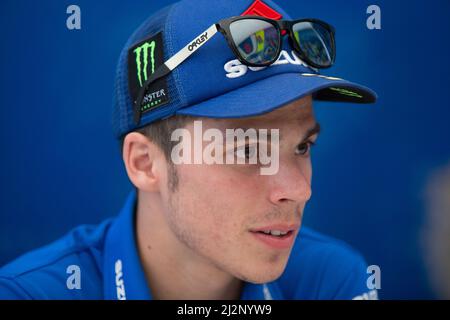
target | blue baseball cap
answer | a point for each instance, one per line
(212, 82)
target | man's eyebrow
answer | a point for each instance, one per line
(312, 131)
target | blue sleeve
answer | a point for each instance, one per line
(353, 281)
(343, 274)
(322, 268)
(11, 290)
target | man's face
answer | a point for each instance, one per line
(219, 211)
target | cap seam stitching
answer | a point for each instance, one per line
(175, 73)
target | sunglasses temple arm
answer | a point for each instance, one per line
(171, 64)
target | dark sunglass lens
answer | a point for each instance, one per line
(316, 42)
(257, 41)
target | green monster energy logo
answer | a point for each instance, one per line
(142, 72)
(346, 92)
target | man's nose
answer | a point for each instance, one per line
(292, 183)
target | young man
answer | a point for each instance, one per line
(203, 228)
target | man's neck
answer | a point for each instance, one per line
(172, 270)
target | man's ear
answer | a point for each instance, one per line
(143, 161)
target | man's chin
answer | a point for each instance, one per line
(263, 278)
(262, 275)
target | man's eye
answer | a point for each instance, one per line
(304, 148)
(246, 152)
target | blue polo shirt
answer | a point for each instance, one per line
(102, 262)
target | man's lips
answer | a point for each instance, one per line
(276, 236)
(278, 226)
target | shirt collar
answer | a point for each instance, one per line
(122, 271)
(124, 276)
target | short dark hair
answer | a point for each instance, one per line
(159, 132)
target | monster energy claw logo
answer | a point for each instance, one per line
(144, 48)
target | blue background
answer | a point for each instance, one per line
(60, 165)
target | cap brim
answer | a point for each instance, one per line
(276, 91)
